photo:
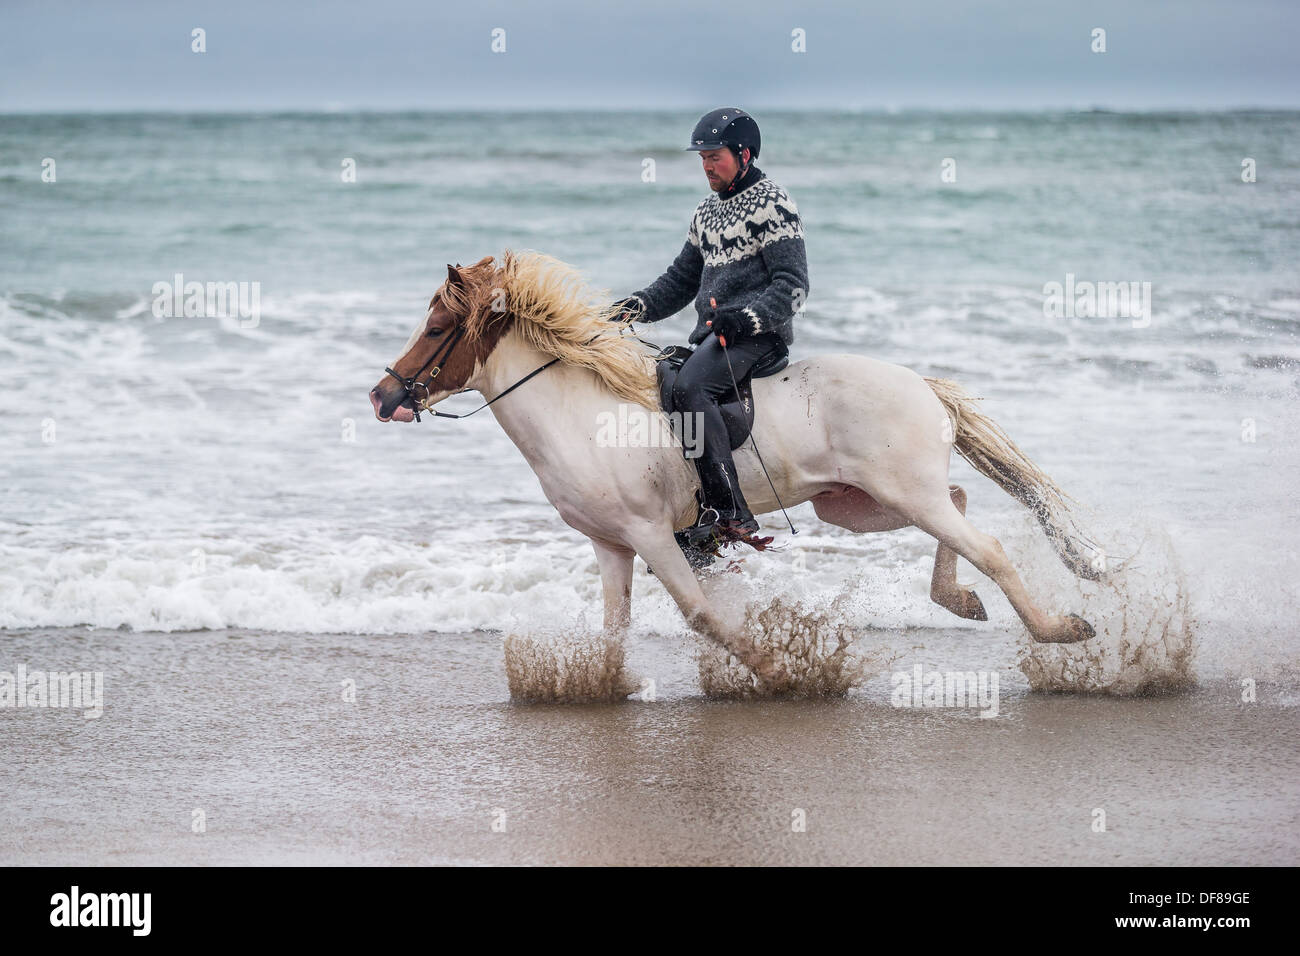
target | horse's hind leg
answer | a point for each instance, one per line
(950, 526)
(854, 509)
(944, 590)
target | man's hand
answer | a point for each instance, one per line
(627, 310)
(728, 324)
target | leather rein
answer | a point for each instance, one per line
(443, 353)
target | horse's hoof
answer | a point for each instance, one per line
(973, 607)
(767, 675)
(1076, 629)
(1081, 628)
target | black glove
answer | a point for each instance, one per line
(627, 310)
(731, 324)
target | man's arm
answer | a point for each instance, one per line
(787, 268)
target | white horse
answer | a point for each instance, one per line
(867, 442)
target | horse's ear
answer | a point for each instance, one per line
(453, 275)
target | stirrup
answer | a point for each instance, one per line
(737, 528)
(703, 534)
(710, 536)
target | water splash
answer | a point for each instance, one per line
(578, 666)
(815, 654)
(1146, 638)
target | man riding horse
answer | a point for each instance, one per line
(744, 264)
(868, 443)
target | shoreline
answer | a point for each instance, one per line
(251, 734)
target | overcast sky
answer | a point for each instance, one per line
(670, 54)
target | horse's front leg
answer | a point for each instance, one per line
(615, 563)
(660, 550)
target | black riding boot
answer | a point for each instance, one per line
(724, 509)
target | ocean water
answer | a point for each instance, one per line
(182, 473)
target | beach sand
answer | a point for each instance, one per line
(433, 764)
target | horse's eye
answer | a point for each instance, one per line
(434, 333)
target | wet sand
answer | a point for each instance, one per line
(253, 730)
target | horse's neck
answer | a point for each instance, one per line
(546, 408)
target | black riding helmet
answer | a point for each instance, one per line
(729, 127)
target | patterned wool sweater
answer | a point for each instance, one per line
(747, 252)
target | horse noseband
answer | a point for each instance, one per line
(440, 357)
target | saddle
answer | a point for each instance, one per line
(737, 412)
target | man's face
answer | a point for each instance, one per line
(720, 166)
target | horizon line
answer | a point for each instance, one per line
(883, 110)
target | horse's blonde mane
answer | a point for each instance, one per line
(554, 311)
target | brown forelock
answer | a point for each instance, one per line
(472, 301)
(470, 304)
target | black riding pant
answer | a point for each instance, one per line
(704, 382)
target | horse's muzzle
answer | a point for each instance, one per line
(394, 406)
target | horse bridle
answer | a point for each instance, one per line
(437, 360)
(443, 353)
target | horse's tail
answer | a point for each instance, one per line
(983, 443)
